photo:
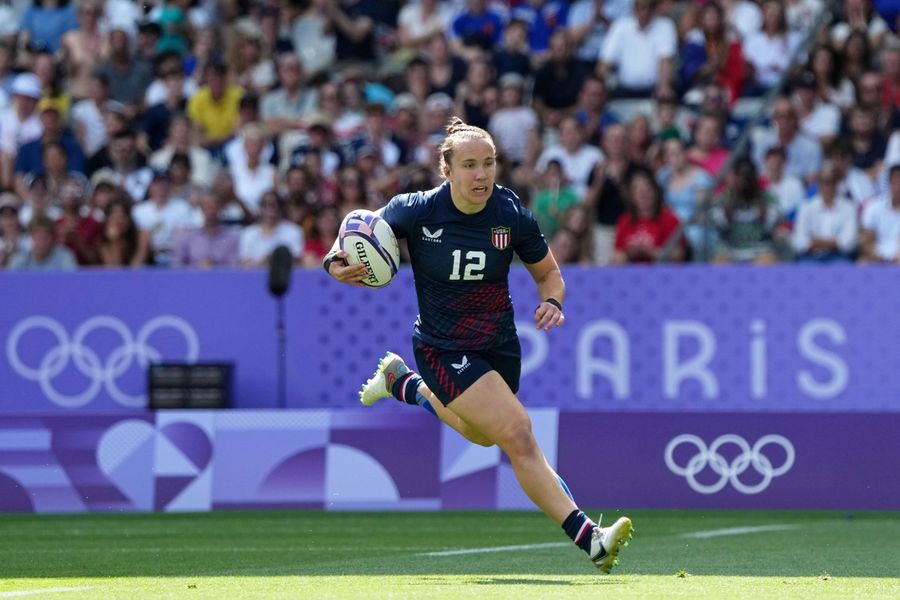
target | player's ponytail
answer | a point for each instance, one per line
(459, 131)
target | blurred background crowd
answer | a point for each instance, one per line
(205, 133)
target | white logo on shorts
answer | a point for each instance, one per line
(462, 365)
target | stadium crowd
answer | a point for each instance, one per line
(204, 133)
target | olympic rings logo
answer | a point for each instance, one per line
(102, 374)
(710, 457)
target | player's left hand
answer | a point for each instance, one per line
(547, 316)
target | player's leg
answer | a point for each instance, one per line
(490, 406)
(393, 378)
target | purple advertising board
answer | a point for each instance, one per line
(377, 459)
(662, 339)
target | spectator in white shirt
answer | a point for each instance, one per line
(576, 157)
(881, 224)
(770, 50)
(260, 240)
(164, 217)
(640, 49)
(825, 230)
(515, 124)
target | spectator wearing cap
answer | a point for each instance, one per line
(163, 216)
(147, 38)
(819, 118)
(515, 125)
(418, 21)
(82, 47)
(513, 55)
(169, 71)
(157, 119)
(211, 244)
(284, 109)
(476, 28)
(640, 49)
(30, 158)
(214, 108)
(259, 240)
(253, 175)
(128, 77)
(558, 80)
(44, 23)
(76, 229)
(87, 115)
(180, 140)
(804, 155)
(19, 123)
(12, 235)
(825, 230)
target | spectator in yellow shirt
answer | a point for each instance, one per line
(214, 108)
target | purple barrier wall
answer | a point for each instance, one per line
(638, 339)
(380, 459)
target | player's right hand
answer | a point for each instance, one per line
(352, 274)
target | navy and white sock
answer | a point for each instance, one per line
(406, 389)
(579, 528)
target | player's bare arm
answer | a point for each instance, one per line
(551, 291)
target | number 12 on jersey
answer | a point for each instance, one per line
(474, 265)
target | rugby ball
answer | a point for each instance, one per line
(368, 239)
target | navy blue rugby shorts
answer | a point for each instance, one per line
(448, 373)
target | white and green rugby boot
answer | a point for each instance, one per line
(391, 368)
(607, 541)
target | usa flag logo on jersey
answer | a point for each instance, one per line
(500, 237)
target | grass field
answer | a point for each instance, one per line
(367, 556)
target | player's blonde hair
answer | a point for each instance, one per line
(458, 132)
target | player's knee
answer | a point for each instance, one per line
(518, 439)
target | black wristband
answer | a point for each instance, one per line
(552, 301)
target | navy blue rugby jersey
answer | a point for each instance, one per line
(461, 263)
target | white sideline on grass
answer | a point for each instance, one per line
(694, 534)
(494, 549)
(711, 533)
(21, 593)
